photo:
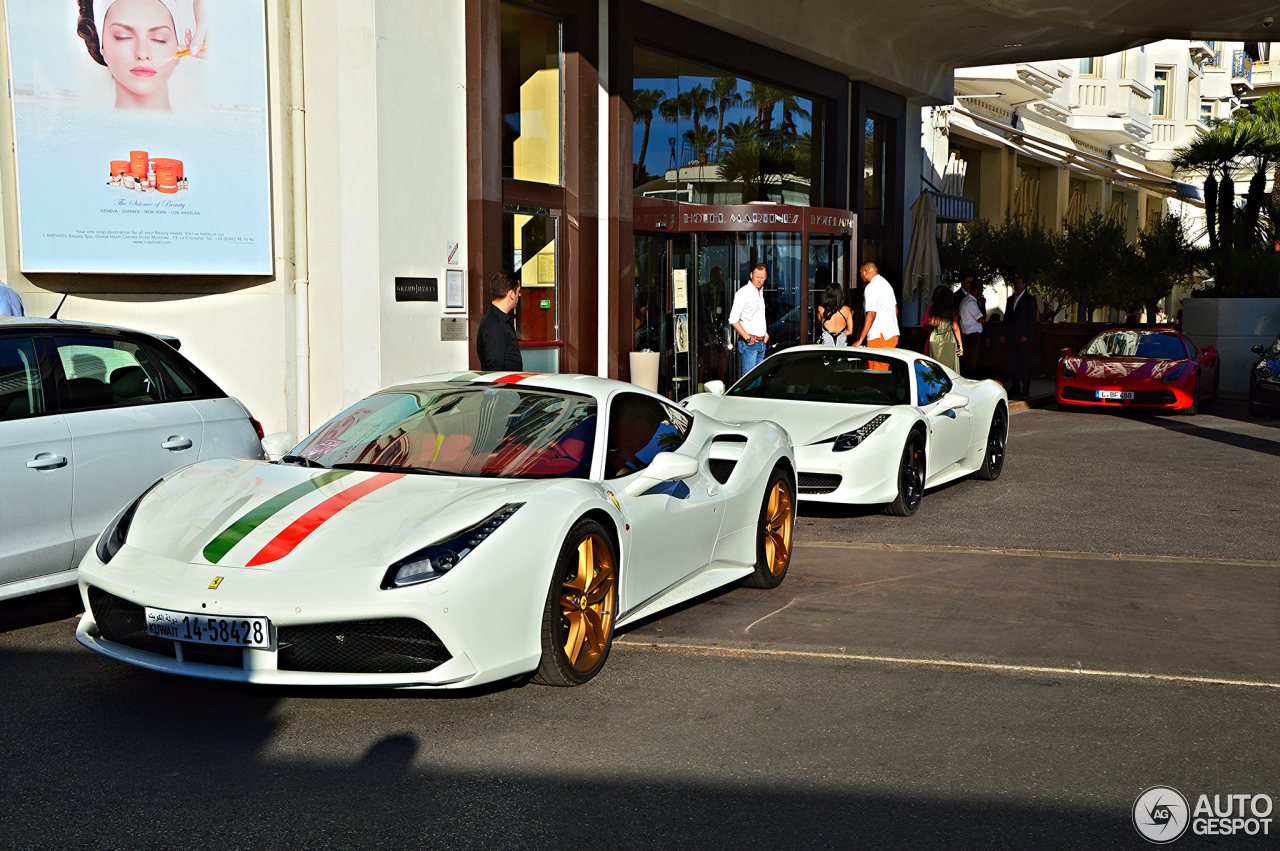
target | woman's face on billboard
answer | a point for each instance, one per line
(138, 45)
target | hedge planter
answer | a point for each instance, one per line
(1232, 326)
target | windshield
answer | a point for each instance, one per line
(1137, 344)
(827, 376)
(464, 430)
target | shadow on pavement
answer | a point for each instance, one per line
(45, 607)
(146, 760)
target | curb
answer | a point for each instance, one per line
(1019, 405)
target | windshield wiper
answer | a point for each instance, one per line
(306, 462)
(391, 468)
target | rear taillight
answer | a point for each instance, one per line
(257, 426)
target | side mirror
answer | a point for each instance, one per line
(1258, 350)
(953, 401)
(1067, 353)
(277, 445)
(1210, 349)
(665, 467)
(716, 388)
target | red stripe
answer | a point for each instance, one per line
(515, 378)
(297, 531)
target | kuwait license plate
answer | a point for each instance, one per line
(203, 629)
(1115, 394)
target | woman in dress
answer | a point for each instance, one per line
(945, 343)
(834, 317)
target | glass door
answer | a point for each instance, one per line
(828, 264)
(650, 326)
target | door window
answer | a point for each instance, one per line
(20, 392)
(101, 373)
(931, 383)
(640, 427)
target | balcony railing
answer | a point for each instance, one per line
(1241, 66)
(1214, 61)
(953, 208)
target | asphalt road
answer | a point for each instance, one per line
(903, 690)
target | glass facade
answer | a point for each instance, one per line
(531, 96)
(706, 137)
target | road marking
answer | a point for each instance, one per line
(955, 550)
(706, 649)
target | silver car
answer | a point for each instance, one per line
(90, 417)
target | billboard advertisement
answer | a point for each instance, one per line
(141, 135)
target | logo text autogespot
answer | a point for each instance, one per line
(1231, 815)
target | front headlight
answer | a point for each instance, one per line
(1068, 371)
(443, 556)
(1173, 374)
(850, 439)
(117, 531)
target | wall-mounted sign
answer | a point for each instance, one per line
(453, 328)
(417, 289)
(452, 257)
(141, 155)
(453, 289)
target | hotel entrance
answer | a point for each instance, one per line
(690, 261)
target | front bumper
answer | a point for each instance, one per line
(1170, 397)
(441, 634)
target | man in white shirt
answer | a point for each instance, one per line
(10, 301)
(971, 321)
(747, 318)
(880, 328)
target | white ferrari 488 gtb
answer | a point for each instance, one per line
(446, 532)
(874, 426)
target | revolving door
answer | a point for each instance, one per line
(692, 259)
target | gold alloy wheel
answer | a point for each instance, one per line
(587, 603)
(777, 534)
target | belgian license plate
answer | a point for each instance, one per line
(1115, 394)
(203, 629)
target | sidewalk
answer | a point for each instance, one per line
(1042, 396)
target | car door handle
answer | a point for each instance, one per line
(176, 443)
(47, 461)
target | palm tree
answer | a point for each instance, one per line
(1217, 152)
(644, 103)
(791, 109)
(742, 131)
(725, 92)
(763, 98)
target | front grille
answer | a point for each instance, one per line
(819, 482)
(721, 468)
(122, 622)
(1154, 397)
(389, 646)
(1079, 394)
(212, 654)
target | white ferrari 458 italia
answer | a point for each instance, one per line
(871, 425)
(447, 532)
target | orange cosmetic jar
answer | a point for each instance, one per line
(166, 178)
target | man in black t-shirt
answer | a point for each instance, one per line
(496, 342)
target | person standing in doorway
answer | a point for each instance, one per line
(747, 318)
(1019, 331)
(971, 322)
(496, 341)
(880, 328)
(10, 301)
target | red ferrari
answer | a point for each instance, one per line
(1151, 368)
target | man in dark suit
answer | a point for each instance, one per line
(496, 342)
(1019, 331)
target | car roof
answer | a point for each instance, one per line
(584, 385)
(898, 354)
(30, 324)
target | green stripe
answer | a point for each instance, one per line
(233, 534)
(470, 376)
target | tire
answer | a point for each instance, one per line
(577, 621)
(773, 533)
(1195, 399)
(910, 478)
(997, 440)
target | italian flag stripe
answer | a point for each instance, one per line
(515, 378)
(236, 532)
(297, 531)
